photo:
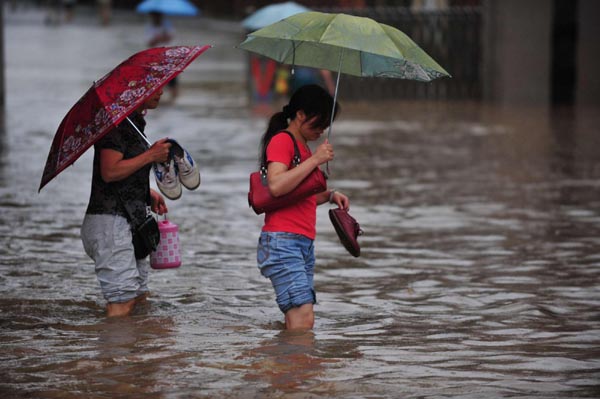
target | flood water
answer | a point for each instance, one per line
(480, 266)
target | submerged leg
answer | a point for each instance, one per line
(300, 318)
(118, 309)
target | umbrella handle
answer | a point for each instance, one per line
(141, 134)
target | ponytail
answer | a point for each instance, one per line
(277, 123)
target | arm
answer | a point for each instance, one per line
(334, 197)
(283, 180)
(114, 168)
(158, 203)
(328, 80)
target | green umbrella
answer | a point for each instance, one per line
(347, 44)
(338, 42)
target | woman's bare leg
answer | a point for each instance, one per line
(300, 318)
(120, 309)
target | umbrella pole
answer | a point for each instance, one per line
(337, 83)
(138, 130)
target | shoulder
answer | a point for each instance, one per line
(280, 148)
(281, 142)
(113, 136)
(282, 139)
(115, 139)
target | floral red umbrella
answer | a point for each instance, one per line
(111, 99)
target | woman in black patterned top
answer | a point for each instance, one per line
(119, 200)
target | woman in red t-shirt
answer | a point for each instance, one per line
(285, 252)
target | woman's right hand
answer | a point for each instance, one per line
(159, 152)
(324, 153)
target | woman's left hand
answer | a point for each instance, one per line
(158, 203)
(341, 200)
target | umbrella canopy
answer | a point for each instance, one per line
(111, 99)
(348, 44)
(273, 13)
(170, 7)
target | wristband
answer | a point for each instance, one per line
(331, 192)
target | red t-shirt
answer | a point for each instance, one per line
(300, 218)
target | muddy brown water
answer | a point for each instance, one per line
(480, 266)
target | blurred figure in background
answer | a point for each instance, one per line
(52, 12)
(303, 76)
(55, 9)
(160, 32)
(104, 11)
(263, 73)
(69, 8)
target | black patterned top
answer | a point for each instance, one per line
(134, 191)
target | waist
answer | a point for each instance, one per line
(300, 218)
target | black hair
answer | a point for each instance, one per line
(313, 100)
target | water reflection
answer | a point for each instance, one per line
(479, 270)
(3, 144)
(291, 362)
(131, 356)
(286, 361)
(105, 357)
(563, 120)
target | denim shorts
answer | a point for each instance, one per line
(107, 240)
(288, 260)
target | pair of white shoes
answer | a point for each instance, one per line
(180, 169)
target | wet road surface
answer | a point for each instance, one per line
(480, 267)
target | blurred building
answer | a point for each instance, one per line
(541, 51)
(503, 51)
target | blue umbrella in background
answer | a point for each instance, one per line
(168, 7)
(270, 14)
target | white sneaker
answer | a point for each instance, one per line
(187, 169)
(167, 180)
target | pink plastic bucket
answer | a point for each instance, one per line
(168, 253)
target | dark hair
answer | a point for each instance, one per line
(313, 100)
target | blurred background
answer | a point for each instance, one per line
(506, 52)
(479, 196)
